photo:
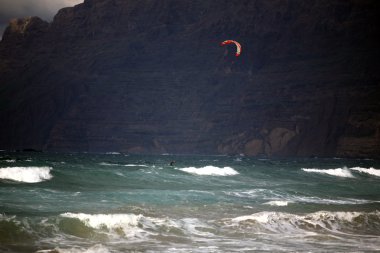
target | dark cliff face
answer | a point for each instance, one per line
(149, 77)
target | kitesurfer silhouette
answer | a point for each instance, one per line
(237, 44)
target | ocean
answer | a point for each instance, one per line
(74, 203)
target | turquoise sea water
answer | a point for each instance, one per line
(127, 203)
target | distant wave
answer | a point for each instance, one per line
(345, 172)
(341, 201)
(210, 171)
(125, 165)
(26, 174)
(135, 165)
(109, 164)
(277, 198)
(371, 171)
(339, 172)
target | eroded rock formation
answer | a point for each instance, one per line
(149, 77)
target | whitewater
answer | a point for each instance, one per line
(111, 203)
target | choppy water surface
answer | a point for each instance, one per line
(119, 203)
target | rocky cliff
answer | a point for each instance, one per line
(149, 76)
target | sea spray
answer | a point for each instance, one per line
(26, 174)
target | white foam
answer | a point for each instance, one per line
(135, 165)
(276, 198)
(339, 172)
(262, 217)
(10, 161)
(342, 201)
(109, 164)
(98, 248)
(256, 193)
(211, 171)
(26, 174)
(138, 226)
(127, 222)
(280, 222)
(277, 203)
(110, 220)
(192, 225)
(125, 165)
(371, 171)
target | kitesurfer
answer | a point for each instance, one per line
(237, 44)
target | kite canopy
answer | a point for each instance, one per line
(238, 46)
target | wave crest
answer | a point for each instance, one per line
(345, 172)
(138, 226)
(371, 171)
(210, 171)
(125, 165)
(339, 172)
(279, 222)
(26, 174)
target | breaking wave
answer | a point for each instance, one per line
(110, 229)
(337, 222)
(339, 172)
(137, 226)
(370, 171)
(345, 172)
(26, 174)
(125, 224)
(211, 171)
